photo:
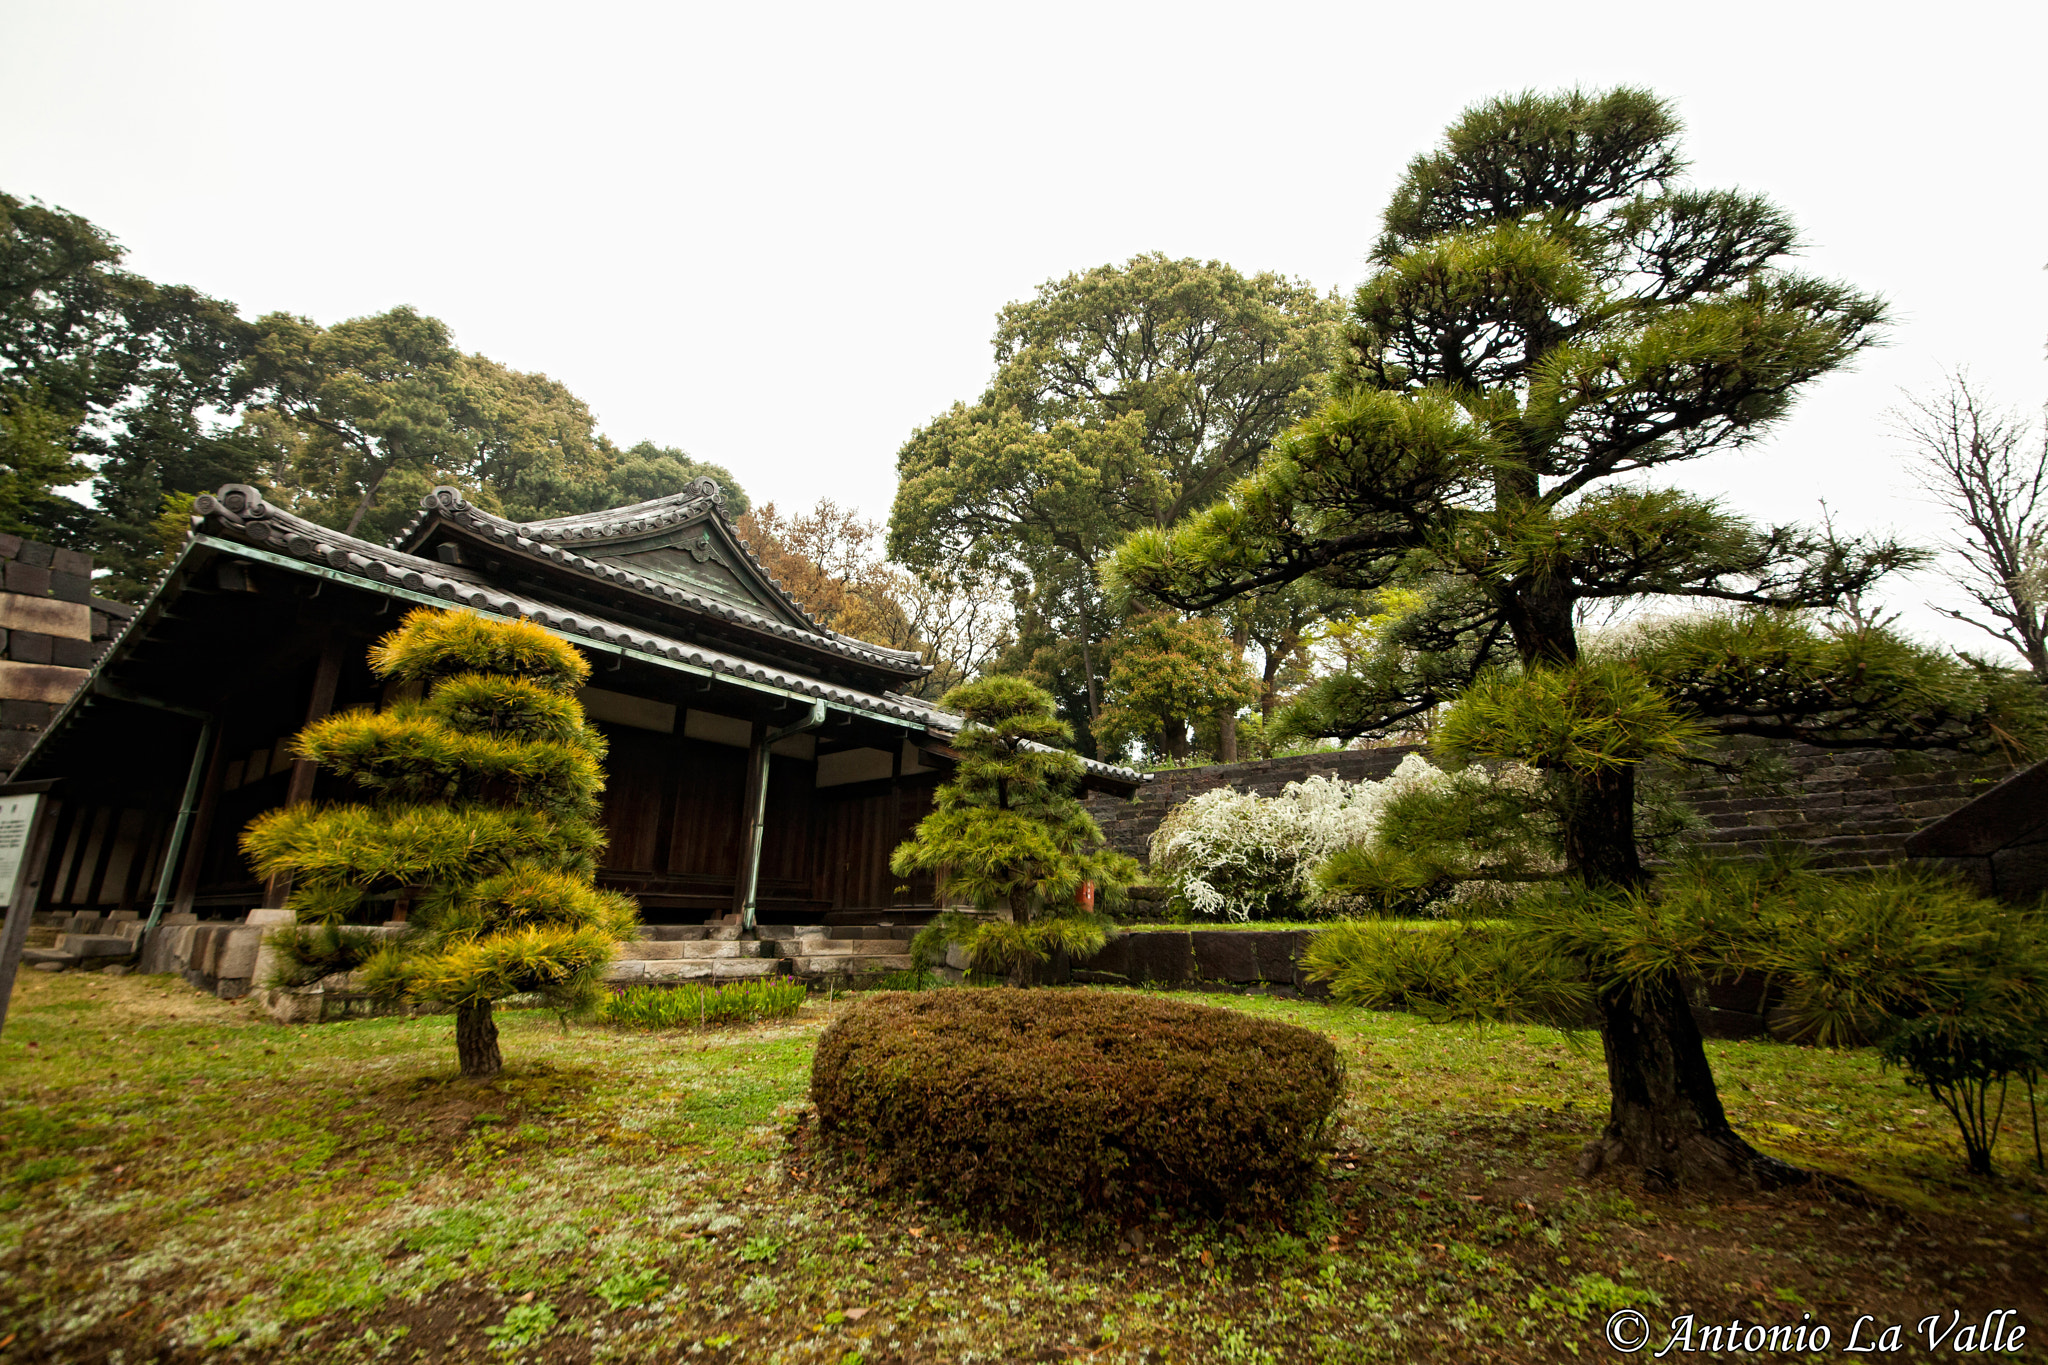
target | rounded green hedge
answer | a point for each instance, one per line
(1040, 1104)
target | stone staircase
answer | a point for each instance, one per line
(843, 955)
(710, 954)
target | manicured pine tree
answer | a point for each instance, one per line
(1552, 315)
(478, 804)
(1010, 834)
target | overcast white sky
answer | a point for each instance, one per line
(777, 236)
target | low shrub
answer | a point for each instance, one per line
(1448, 971)
(1036, 1106)
(740, 1002)
(303, 954)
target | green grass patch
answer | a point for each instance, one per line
(339, 1194)
(695, 1006)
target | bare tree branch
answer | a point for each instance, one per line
(1989, 470)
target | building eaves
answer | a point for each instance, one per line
(289, 541)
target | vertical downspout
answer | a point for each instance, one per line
(750, 869)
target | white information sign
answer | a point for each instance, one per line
(17, 817)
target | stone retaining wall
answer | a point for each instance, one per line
(1847, 809)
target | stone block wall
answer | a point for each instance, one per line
(52, 631)
(1846, 809)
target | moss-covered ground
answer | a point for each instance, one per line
(184, 1181)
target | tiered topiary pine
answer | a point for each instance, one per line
(1010, 834)
(479, 808)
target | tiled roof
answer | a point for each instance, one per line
(549, 541)
(238, 513)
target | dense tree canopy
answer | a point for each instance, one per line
(1552, 316)
(105, 375)
(1124, 397)
(355, 422)
(152, 393)
(1169, 675)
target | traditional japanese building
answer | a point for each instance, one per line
(762, 766)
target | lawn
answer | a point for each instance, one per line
(183, 1180)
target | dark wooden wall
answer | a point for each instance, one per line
(104, 859)
(674, 808)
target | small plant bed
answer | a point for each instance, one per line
(184, 1182)
(697, 1006)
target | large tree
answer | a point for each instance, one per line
(105, 375)
(1124, 397)
(1553, 315)
(356, 421)
(1171, 674)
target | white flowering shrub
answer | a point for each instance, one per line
(1233, 856)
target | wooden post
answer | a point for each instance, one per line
(25, 829)
(326, 679)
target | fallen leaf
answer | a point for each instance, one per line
(527, 1297)
(1207, 1259)
(855, 1314)
(917, 1232)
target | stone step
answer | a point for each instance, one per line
(652, 950)
(849, 964)
(95, 945)
(813, 946)
(662, 971)
(784, 933)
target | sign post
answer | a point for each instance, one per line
(24, 847)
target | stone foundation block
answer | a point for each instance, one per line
(94, 945)
(1161, 957)
(1223, 955)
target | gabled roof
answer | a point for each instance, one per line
(686, 540)
(237, 517)
(677, 560)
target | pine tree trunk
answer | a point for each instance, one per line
(1664, 1112)
(476, 1040)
